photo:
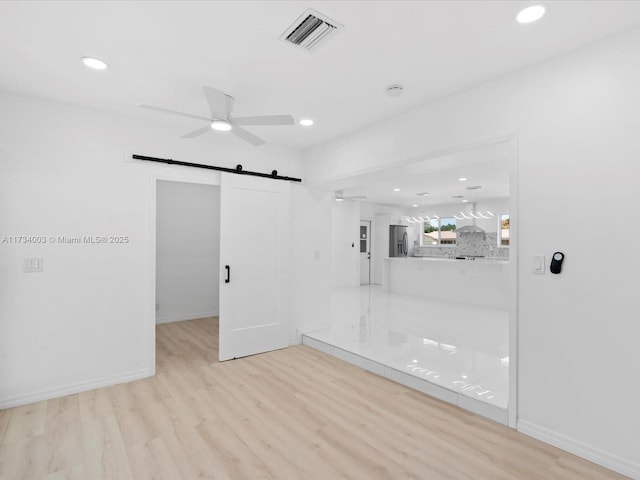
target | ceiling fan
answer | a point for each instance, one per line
(339, 196)
(220, 106)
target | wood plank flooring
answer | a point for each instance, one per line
(291, 414)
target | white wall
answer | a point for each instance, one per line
(575, 120)
(345, 244)
(187, 251)
(380, 250)
(370, 210)
(88, 318)
(311, 300)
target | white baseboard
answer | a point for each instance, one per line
(181, 318)
(571, 445)
(298, 337)
(50, 393)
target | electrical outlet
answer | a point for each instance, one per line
(32, 265)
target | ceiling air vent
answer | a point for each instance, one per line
(309, 29)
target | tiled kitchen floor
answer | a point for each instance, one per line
(461, 348)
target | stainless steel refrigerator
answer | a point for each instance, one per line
(398, 241)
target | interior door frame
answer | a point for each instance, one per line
(511, 139)
(168, 173)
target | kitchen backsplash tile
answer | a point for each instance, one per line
(468, 244)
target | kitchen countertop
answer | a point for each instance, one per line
(447, 259)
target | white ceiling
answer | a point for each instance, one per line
(162, 52)
(487, 167)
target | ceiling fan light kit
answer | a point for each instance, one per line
(221, 120)
(221, 126)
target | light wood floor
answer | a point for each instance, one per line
(291, 414)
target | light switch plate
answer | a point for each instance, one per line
(32, 265)
(539, 264)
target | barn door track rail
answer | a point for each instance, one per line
(238, 170)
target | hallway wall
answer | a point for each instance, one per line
(345, 244)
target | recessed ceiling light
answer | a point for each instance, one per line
(423, 194)
(221, 126)
(396, 189)
(94, 63)
(462, 179)
(531, 14)
(465, 201)
(414, 205)
(339, 199)
(306, 122)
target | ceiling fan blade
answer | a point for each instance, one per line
(263, 120)
(172, 112)
(247, 136)
(198, 132)
(229, 100)
(217, 103)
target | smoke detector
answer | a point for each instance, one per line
(310, 29)
(394, 90)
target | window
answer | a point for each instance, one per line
(441, 231)
(363, 239)
(504, 230)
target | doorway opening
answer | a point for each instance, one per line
(236, 266)
(187, 257)
(438, 319)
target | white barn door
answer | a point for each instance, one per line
(255, 243)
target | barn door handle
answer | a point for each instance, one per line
(228, 269)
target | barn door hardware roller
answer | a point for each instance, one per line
(238, 170)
